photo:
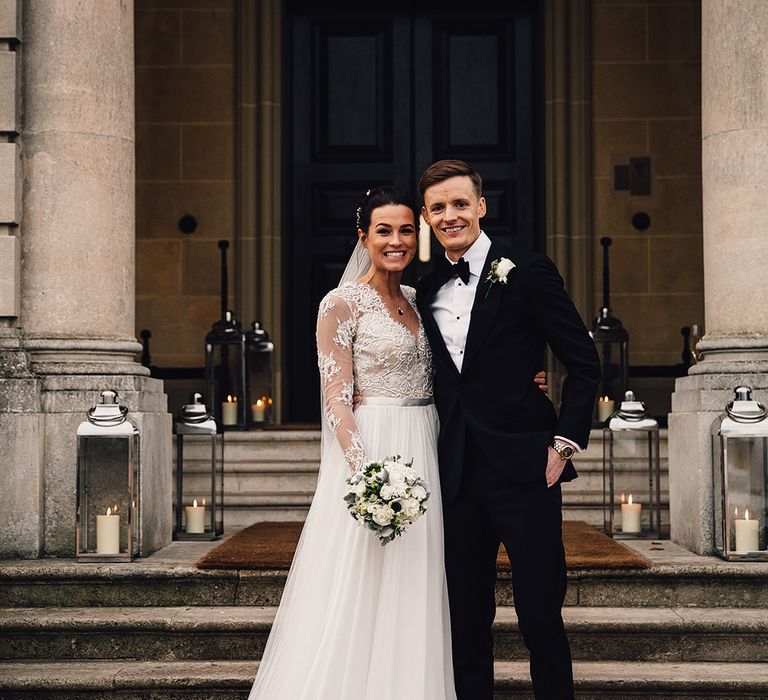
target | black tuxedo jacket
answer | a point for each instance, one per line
(494, 396)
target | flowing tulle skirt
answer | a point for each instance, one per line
(358, 620)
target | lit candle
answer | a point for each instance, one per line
(195, 518)
(258, 410)
(425, 239)
(746, 533)
(604, 408)
(630, 515)
(229, 410)
(108, 533)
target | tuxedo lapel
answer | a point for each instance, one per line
(484, 308)
(435, 337)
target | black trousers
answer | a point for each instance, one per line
(489, 509)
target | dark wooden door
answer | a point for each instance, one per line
(374, 99)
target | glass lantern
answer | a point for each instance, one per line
(631, 472)
(106, 525)
(740, 478)
(259, 367)
(225, 377)
(612, 344)
(199, 502)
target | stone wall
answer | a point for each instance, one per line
(646, 64)
(184, 165)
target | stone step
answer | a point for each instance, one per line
(225, 680)
(239, 633)
(678, 581)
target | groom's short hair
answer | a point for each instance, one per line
(444, 169)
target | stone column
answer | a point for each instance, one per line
(735, 198)
(259, 160)
(77, 251)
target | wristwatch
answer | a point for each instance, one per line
(565, 450)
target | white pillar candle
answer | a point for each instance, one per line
(746, 534)
(259, 410)
(425, 240)
(108, 533)
(630, 516)
(195, 518)
(604, 408)
(229, 411)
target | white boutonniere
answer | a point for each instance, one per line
(498, 273)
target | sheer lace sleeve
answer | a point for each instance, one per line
(336, 328)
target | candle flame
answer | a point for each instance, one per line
(109, 511)
(622, 498)
(746, 514)
(259, 402)
(736, 512)
(605, 398)
(630, 499)
(114, 510)
(231, 398)
(269, 401)
(194, 503)
(203, 502)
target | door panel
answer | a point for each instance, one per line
(374, 100)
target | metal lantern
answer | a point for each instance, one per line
(612, 344)
(199, 501)
(631, 472)
(225, 377)
(740, 478)
(260, 376)
(107, 524)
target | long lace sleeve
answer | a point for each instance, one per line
(336, 327)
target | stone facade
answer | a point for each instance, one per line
(646, 64)
(185, 148)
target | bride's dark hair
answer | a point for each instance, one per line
(382, 196)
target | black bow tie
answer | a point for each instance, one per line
(447, 271)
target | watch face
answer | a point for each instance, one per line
(567, 452)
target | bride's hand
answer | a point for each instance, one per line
(541, 380)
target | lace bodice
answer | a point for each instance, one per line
(362, 348)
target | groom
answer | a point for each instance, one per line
(489, 313)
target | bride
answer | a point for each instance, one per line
(359, 620)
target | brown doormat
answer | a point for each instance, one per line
(270, 546)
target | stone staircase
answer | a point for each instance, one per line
(689, 627)
(271, 475)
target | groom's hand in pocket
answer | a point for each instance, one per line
(555, 466)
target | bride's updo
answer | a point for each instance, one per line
(382, 196)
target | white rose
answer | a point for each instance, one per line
(382, 515)
(396, 477)
(359, 488)
(410, 473)
(503, 268)
(410, 507)
(419, 493)
(386, 492)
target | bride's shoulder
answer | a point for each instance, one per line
(348, 295)
(408, 292)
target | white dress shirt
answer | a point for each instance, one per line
(452, 306)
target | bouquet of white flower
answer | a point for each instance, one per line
(386, 497)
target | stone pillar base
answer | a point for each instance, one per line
(21, 453)
(699, 399)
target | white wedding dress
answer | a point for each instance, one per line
(359, 620)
